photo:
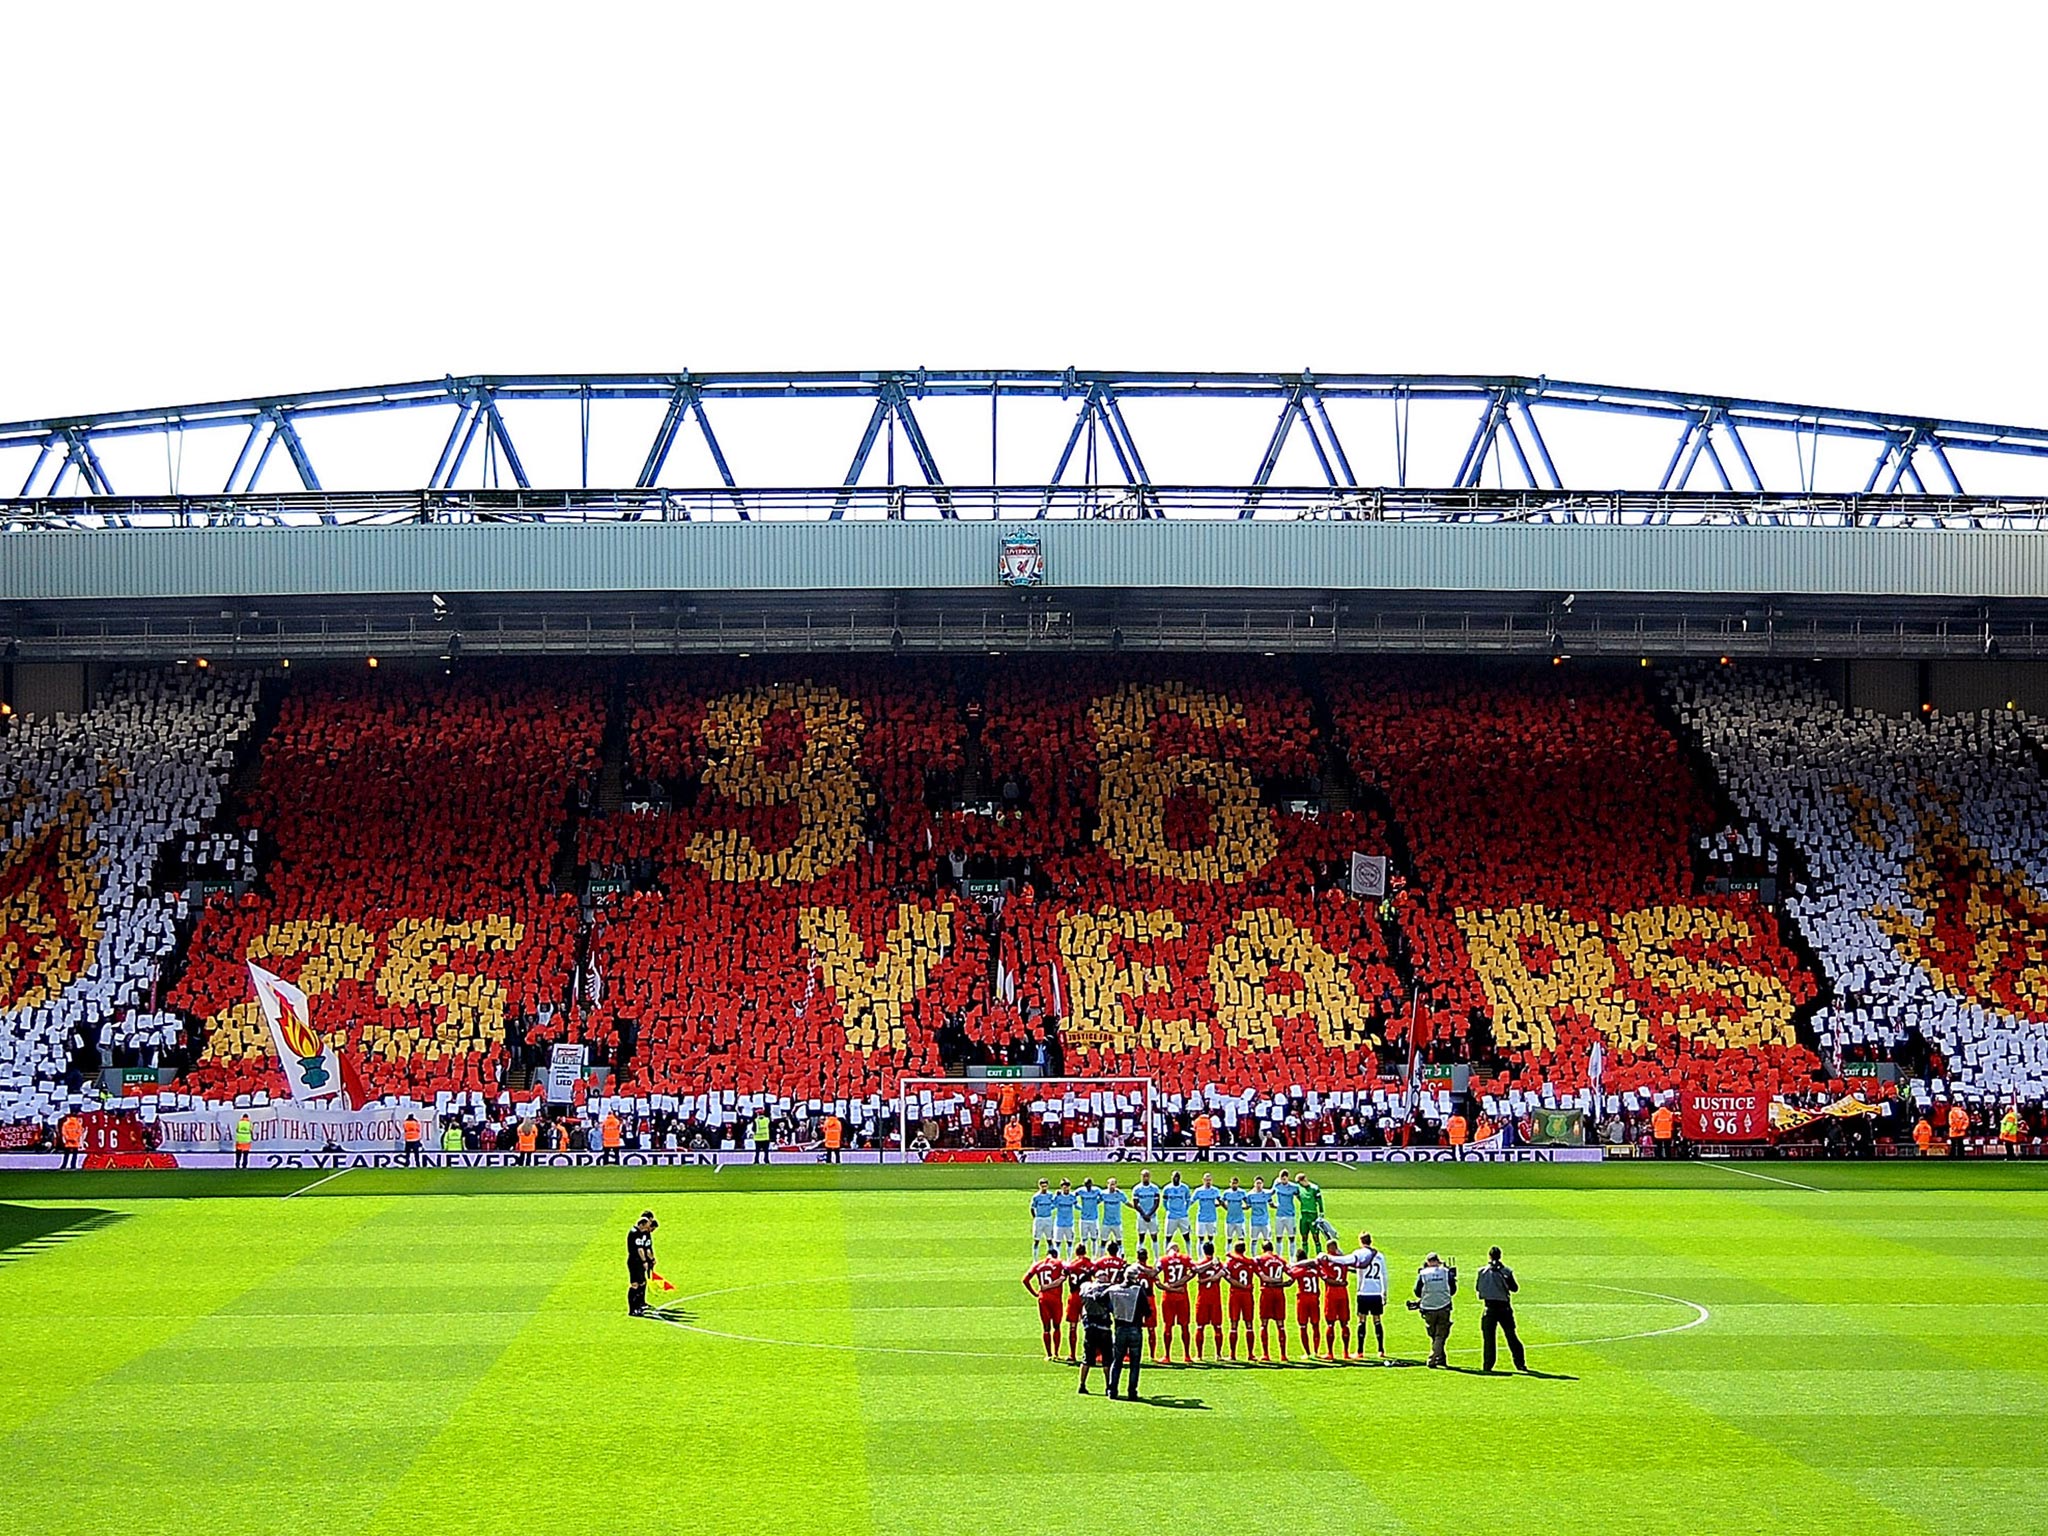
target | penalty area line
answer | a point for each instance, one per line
(1768, 1178)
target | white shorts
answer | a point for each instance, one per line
(1205, 1228)
(1148, 1226)
(1091, 1231)
(1176, 1226)
(1064, 1234)
(1234, 1225)
(1041, 1229)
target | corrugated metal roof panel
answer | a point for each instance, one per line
(1228, 556)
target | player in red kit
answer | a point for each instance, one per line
(1176, 1269)
(1336, 1302)
(1145, 1273)
(1243, 1276)
(1047, 1280)
(1209, 1299)
(1308, 1301)
(1274, 1278)
(1080, 1270)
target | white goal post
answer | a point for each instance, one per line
(1067, 1113)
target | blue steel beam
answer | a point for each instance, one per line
(1316, 442)
(282, 425)
(1536, 437)
(876, 419)
(1330, 431)
(665, 436)
(504, 438)
(1507, 426)
(1470, 466)
(42, 457)
(1515, 401)
(1742, 453)
(458, 441)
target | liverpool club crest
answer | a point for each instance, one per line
(1021, 562)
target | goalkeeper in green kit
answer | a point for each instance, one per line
(1309, 1223)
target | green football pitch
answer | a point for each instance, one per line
(1782, 1348)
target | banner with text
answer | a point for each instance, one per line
(1726, 1117)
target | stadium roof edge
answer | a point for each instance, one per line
(1234, 557)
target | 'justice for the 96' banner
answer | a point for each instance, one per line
(1726, 1117)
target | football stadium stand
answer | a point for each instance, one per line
(813, 878)
(1924, 840)
(787, 933)
(92, 805)
(410, 826)
(1550, 819)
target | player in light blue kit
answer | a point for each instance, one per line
(1145, 1201)
(1259, 1201)
(1041, 1218)
(1177, 1198)
(1063, 1203)
(1284, 1194)
(1207, 1196)
(1113, 1201)
(1234, 1205)
(1091, 1211)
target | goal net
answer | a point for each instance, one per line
(1080, 1116)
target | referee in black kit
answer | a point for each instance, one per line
(1496, 1287)
(640, 1263)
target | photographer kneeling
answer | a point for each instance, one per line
(1435, 1284)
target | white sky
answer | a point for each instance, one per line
(1829, 204)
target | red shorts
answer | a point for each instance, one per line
(1240, 1306)
(1273, 1304)
(1074, 1305)
(1173, 1308)
(1307, 1308)
(1209, 1310)
(1049, 1307)
(1336, 1305)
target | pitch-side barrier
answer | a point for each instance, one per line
(318, 1162)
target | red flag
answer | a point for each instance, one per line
(1418, 1036)
(352, 1085)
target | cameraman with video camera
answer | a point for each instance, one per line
(1435, 1284)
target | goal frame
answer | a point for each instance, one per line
(907, 1088)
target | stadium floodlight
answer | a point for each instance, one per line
(1098, 1116)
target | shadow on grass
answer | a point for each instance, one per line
(27, 1230)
